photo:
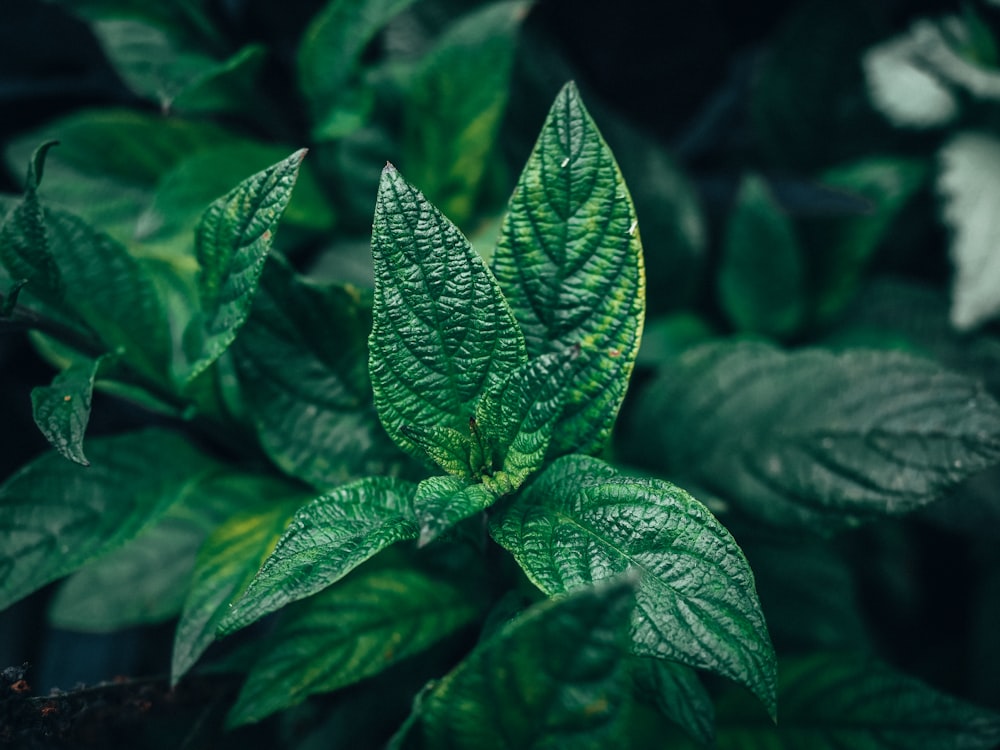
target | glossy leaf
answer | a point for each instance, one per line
(581, 521)
(676, 690)
(441, 502)
(228, 561)
(384, 612)
(969, 184)
(232, 243)
(569, 261)
(552, 678)
(57, 515)
(761, 282)
(442, 333)
(812, 436)
(61, 410)
(301, 361)
(327, 538)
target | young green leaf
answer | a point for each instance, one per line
(327, 538)
(569, 261)
(385, 611)
(813, 436)
(837, 700)
(761, 282)
(228, 561)
(232, 243)
(554, 677)
(61, 410)
(441, 502)
(442, 334)
(676, 690)
(580, 522)
(307, 391)
(55, 516)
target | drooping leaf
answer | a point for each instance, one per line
(761, 281)
(232, 243)
(329, 62)
(228, 561)
(442, 333)
(969, 183)
(569, 261)
(836, 700)
(384, 612)
(678, 693)
(455, 103)
(552, 678)
(812, 436)
(301, 361)
(61, 410)
(327, 538)
(55, 515)
(441, 502)
(581, 521)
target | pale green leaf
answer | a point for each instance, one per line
(812, 436)
(569, 261)
(442, 333)
(581, 521)
(384, 612)
(327, 538)
(55, 515)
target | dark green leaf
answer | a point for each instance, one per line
(57, 516)
(232, 243)
(678, 693)
(570, 263)
(455, 103)
(62, 409)
(327, 538)
(225, 86)
(441, 502)
(553, 678)
(813, 436)
(301, 360)
(580, 522)
(761, 282)
(442, 334)
(382, 613)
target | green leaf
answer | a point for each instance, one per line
(678, 693)
(813, 436)
(837, 700)
(970, 187)
(232, 243)
(580, 522)
(329, 62)
(441, 502)
(61, 410)
(569, 261)
(455, 103)
(552, 678)
(24, 247)
(384, 612)
(761, 282)
(442, 333)
(228, 561)
(301, 361)
(227, 86)
(57, 516)
(327, 538)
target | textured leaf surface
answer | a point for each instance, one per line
(229, 559)
(301, 360)
(569, 261)
(441, 502)
(327, 538)
(383, 613)
(61, 410)
(232, 243)
(813, 436)
(581, 522)
(553, 678)
(55, 516)
(442, 333)
(969, 183)
(676, 690)
(839, 700)
(761, 282)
